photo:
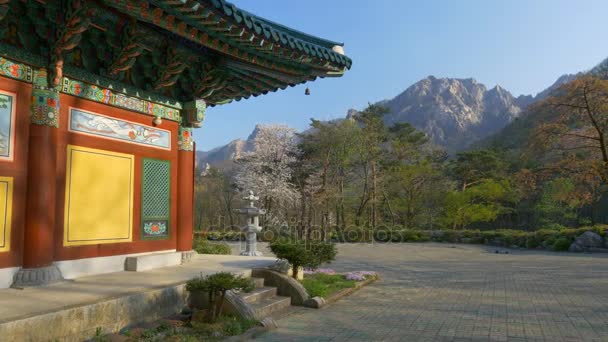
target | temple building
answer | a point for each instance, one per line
(98, 99)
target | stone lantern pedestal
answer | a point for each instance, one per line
(252, 216)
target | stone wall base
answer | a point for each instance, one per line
(85, 322)
(90, 266)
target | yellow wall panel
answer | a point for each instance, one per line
(98, 197)
(6, 210)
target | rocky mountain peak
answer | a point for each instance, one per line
(453, 112)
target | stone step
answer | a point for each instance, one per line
(259, 294)
(258, 282)
(267, 307)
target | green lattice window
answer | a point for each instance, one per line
(155, 198)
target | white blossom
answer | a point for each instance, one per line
(268, 169)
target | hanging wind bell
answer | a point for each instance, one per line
(307, 91)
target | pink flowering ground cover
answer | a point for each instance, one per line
(360, 275)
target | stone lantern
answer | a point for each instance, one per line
(252, 227)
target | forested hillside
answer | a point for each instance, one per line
(546, 169)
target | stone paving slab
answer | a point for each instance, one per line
(19, 304)
(444, 292)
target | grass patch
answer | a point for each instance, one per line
(225, 325)
(206, 247)
(324, 285)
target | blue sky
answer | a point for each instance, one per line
(523, 45)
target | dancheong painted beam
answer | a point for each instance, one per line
(178, 49)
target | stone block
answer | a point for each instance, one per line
(315, 302)
(188, 256)
(151, 261)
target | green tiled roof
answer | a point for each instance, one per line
(311, 45)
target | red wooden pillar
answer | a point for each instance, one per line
(185, 190)
(39, 227)
(40, 207)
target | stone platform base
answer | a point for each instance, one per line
(75, 310)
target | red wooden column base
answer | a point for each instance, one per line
(185, 194)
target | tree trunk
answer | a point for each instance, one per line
(390, 209)
(296, 271)
(342, 216)
(374, 214)
(212, 306)
(220, 303)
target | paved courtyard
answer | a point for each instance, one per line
(442, 292)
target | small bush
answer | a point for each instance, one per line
(554, 226)
(383, 235)
(356, 234)
(302, 253)
(532, 243)
(561, 244)
(409, 236)
(216, 286)
(207, 247)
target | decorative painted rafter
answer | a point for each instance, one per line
(263, 71)
(197, 31)
(77, 21)
(176, 62)
(266, 80)
(4, 6)
(132, 48)
(213, 80)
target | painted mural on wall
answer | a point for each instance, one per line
(111, 128)
(6, 125)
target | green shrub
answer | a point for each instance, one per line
(207, 247)
(424, 236)
(561, 244)
(356, 234)
(451, 236)
(383, 235)
(303, 253)
(532, 243)
(554, 226)
(545, 237)
(216, 285)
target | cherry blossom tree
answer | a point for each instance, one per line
(268, 170)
